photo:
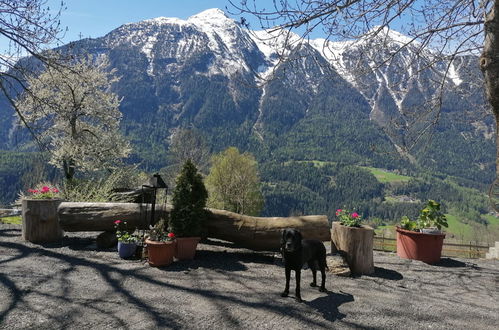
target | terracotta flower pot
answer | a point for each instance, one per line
(160, 253)
(186, 247)
(419, 246)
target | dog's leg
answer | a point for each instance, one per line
(322, 266)
(313, 267)
(298, 279)
(286, 289)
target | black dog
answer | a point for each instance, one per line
(296, 252)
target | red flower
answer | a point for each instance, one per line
(36, 191)
(55, 190)
(355, 215)
(117, 222)
(171, 235)
(45, 189)
(31, 190)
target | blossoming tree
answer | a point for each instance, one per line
(75, 116)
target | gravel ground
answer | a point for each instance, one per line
(72, 285)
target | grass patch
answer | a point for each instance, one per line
(384, 176)
(12, 220)
(493, 220)
(460, 230)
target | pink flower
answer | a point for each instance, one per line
(117, 222)
(355, 215)
(338, 210)
(36, 191)
(171, 235)
(45, 189)
(31, 190)
(55, 190)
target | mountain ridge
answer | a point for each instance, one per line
(209, 72)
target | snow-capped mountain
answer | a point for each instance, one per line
(328, 101)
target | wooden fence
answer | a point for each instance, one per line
(471, 250)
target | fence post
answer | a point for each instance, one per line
(383, 241)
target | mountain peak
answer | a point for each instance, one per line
(384, 32)
(209, 14)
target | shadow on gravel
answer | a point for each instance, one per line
(450, 263)
(10, 232)
(115, 279)
(108, 273)
(387, 274)
(328, 305)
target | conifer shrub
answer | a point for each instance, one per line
(189, 201)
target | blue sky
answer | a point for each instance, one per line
(95, 18)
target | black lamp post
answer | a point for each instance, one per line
(155, 183)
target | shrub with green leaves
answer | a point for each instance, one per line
(189, 201)
(429, 216)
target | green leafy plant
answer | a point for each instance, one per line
(159, 233)
(408, 224)
(429, 216)
(189, 201)
(124, 234)
(347, 218)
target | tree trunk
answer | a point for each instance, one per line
(259, 233)
(251, 232)
(489, 64)
(40, 220)
(75, 216)
(356, 245)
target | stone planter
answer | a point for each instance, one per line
(355, 244)
(419, 246)
(40, 220)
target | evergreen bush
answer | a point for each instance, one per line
(189, 201)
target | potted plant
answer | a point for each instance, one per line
(160, 245)
(188, 213)
(422, 239)
(353, 241)
(40, 221)
(127, 242)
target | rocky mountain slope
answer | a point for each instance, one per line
(329, 102)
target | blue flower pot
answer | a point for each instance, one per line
(126, 250)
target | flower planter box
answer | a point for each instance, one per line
(355, 244)
(40, 220)
(419, 246)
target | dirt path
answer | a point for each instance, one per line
(71, 285)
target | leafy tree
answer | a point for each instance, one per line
(189, 201)
(234, 183)
(75, 116)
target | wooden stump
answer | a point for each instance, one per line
(40, 220)
(356, 245)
